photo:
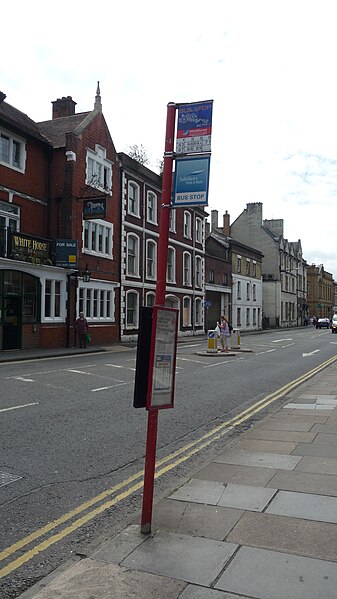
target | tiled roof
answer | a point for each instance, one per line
(55, 130)
(16, 119)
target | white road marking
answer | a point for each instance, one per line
(26, 405)
(194, 345)
(265, 352)
(22, 378)
(109, 387)
(189, 360)
(279, 340)
(79, 372)
(217, 364)
(311, 353)
(289, 345)
(117, 366)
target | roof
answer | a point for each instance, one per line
(16, 119)
(56, 130)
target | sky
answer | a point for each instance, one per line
(268, 65)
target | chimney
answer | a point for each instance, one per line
(63, 107)
(226, 224)
(214, 220)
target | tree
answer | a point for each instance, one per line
(139, 153)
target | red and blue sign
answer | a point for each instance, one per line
(194, 128)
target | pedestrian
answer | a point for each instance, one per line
(82, 328)
(225, 333)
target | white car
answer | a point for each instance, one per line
(323, 323)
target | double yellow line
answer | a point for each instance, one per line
(163, 466)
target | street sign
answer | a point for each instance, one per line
(207, 304)
(191, 181)
(160, 392)
(194, 128)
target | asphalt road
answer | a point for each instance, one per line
(70, 435)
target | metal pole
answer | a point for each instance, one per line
(152, 423)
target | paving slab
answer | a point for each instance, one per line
(181, 556)
(117, 548)
(194, 592)
(326, 439)
(304, 482)
(246, 497)
(263, 446)
(230, 473)
(319, 465)
(265, 434)
(199, 491)
(316, 450)
(286, 424)
(291, 535)
(304, 505)
(313, 417)
(265, 460)
(320, 398)
(91, 579)
(267, 574)
(199, 520)
(324, 428)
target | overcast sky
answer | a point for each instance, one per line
(269, 66)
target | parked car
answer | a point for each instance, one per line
(334, 324)
(323, 323)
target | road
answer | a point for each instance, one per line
(72, 445)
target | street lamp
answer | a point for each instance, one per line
(86, 274)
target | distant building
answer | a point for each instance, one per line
(321, 292)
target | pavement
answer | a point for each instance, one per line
(258, 521)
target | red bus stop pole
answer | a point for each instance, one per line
(152, 423)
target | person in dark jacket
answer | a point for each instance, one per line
(82, 328)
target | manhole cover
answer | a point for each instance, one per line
(6, 478)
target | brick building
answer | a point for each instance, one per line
(321, 292)
(52, 174)
(141, 209)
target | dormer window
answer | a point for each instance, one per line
(12, 151)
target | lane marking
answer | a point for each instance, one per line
(197, 446)
(25, 405)
(79, 371)
(194, 345)
(289, 345)
(279, 340)
(124, 367)
(190, 360)
(311, 353)
(22, 378)
(268, 351)
(111, 386)
(217, 364)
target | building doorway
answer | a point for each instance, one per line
(12, 322)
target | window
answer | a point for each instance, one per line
(150, 299)
(172, 302)
(132, 267)
(151, 207)
(239, 290)
(238, 264)
(98, 238)
(172, 225)
(211, 276)
(99, 170)
(133, 198)
(254, 292)
(198, 271)
(12, 151)
(187, 224)
(248, 291)
(151, 259)
(9, 221)
(53, 302)
(225, 279)
(198, 311)
(238, 317)
(247, 317)
(171, 265)
(198, 230)
(132, 310)
(254, 269)
(186, 268)
(247, 266)
(186, 311)
(254, 316)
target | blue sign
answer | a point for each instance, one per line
(194, 128)
(208, 303)
(66, 253)
(191, 181)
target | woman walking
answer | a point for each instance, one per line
(82, 328)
